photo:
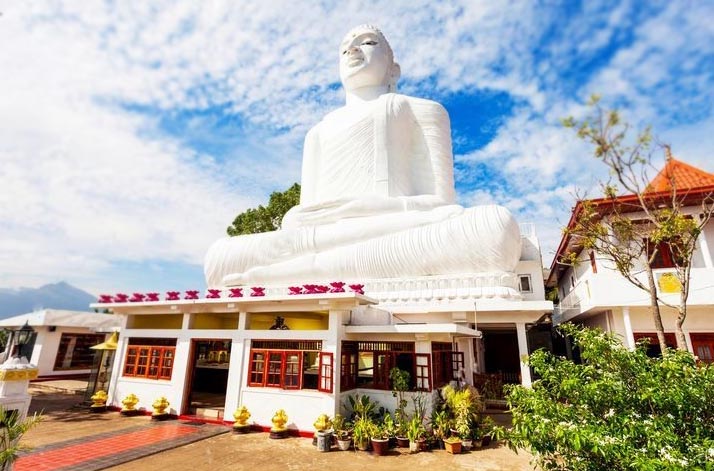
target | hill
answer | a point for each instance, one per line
(14, 301)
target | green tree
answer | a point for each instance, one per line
(631, 244)
(618, 410)
(266, 218)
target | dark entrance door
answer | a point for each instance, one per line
(210, 361)
(501, 355)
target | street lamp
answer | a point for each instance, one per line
(22, 337)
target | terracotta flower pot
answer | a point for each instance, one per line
(380, 446)
(452, 447)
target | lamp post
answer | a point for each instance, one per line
(21, 338)
(102, 367)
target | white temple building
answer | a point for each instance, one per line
(376, 268)
(594, 294)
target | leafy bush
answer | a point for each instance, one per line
(618, 410)
(464, 406)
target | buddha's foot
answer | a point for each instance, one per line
(235, 279)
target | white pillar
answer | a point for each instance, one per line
(704, 247)
(522, 353)
(629, 337)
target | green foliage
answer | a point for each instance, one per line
(464, 406)
(399, 380)
(415, 429)
(440, 424)
(12, 428)
(618, 410)
(387, 429)
(364, 407)
(341, 426)
(364, 429)
(266, 218)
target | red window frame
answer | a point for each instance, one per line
(703, 346)
(385, 355)
(256, 371)
(422, 368)
(446, 363)
(381, 364)
(274, 369)
(348, 371)
(292, 377)
(284, 369)
(324, 381)
(457, 364)
(167, 364)
(151, 362)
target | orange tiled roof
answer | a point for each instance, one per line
(684, 175)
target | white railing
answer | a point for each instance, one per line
(427, 288)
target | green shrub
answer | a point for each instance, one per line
(618, 410)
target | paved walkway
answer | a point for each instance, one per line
(71, 438)
(108, 449)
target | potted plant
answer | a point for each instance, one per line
(362, 432)
(390, 429)
(440, 426)
(380, 438)
(415, 433)
(487, 428)
(362, 406)
(399, 380)
(342, 432)
(465, 405)
(452, 445)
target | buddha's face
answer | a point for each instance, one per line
(365, 59)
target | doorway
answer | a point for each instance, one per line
(500, 348)
(208, 373)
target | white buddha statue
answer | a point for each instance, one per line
(377, 196)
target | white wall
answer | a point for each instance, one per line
(44, 352)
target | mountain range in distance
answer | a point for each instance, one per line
(62, 295)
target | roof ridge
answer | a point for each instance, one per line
(685, 176)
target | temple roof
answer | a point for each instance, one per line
(685, 176)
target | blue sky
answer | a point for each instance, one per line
(131, 133)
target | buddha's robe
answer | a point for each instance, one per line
(377, 201)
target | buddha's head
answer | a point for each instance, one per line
(367, 60)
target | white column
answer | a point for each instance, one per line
(242, 320)
(704, 247)
(523, 352)
(333, 343)
(629, 337)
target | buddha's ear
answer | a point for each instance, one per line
(394, 73)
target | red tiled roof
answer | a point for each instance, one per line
(684, 176)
